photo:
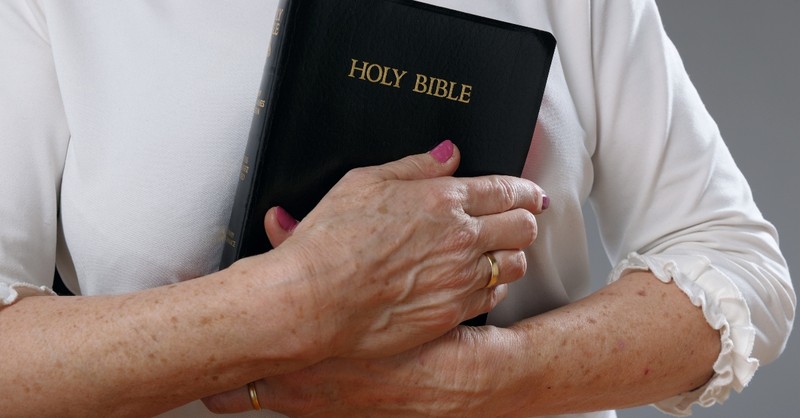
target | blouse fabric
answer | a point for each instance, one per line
(123, 124)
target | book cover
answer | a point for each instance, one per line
(351, 83)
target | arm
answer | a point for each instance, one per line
(594, 354)
(670, 199)
(703, 294)
(146, 352)
(140, 354)
(637, 341)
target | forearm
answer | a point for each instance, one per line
(634, 342)
(143, 353)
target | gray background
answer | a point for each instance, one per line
(744, 58)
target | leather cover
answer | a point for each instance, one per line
(351, 83)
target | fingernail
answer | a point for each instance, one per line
(443, 151)
(545, 202)
(286, 221)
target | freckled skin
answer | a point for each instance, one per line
(555, 363)
(620, 368)
(370, 272)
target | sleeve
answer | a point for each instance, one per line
(33, 142)
(670, 199)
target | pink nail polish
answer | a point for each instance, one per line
(443, 151)
(545, 202)
(286, 221)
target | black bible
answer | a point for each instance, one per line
(351, 83)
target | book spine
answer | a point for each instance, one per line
(256, 142)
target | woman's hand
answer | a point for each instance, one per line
(392, 257)
(590, 355)
(447, 377)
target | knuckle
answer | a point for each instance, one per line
(506, 191)
(529, 227)
(442, 197)
(529, 194)
(462, 239)
(417, 164)
(535, 194)
(490, 301)
(357, 174)
(517, 265)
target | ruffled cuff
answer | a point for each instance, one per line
(12, 292)
(723, 307)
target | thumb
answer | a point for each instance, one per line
(438, 162)
(279, 225)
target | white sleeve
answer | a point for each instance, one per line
(33, 142)
(670, 199)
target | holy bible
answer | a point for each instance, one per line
(351, 83)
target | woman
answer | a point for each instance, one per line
(130, 232)
(697, 270)
(700, 293)
(281, 311)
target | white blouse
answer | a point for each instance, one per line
(122, 125)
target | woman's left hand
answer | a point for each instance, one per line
(448, 377)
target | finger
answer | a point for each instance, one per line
(494, 194)
(513, 230)
(440, 161)
(511, 265)
(484, 300)
(232, 401)
(279, 225)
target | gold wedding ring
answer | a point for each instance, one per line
(495, 270)
(251, 387)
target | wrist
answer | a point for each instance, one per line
(283, 308)
(495, 373)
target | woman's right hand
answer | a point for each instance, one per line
(392, 256)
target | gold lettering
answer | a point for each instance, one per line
(441, 87)
(420, 85)
(353, 69)
(376, 73)
(245, 168)
(277, 27)
(230, 238)
(398, 76)
(450, 91)
(466, 93)
(423, 84)
(385, 74)
(260, 103)
(380, 73)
